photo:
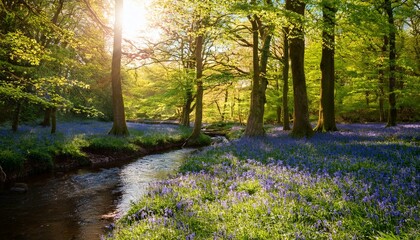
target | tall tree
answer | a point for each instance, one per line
(255, 122)
(326, 119)
(381, 79)
(392, 114)
(286, 124)
(46, 42)
(204, 20)
(301, 124)
(199, 95)
(119, 126)
(176, 46)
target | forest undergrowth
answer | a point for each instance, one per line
(35, 148)
(361, 182)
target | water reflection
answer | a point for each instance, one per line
(136, 176)
(71, 206)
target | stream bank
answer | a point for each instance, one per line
(94, 159)
(79, 204)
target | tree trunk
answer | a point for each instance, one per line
(286, 124)
(392, 115)
(367, 93)
(255, 122)
(239, 108)
(186, 109)
(47, 118)
(326, 120)
(278, 103)
(278, 115)
(382, 82)
(225, 104)
(53, 120)
(301, 124)
(254, 127)
(119, 126)
(193, 139)
(16, 116)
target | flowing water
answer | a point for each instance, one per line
(73, 205)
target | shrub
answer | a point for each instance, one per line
(11, 161)
(71, 148)
(41, 159)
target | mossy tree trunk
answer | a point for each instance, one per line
(326, 119)
(119, 126)
(301, 124)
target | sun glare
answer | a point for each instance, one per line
(135, 19)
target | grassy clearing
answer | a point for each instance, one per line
(360, 183)
(36, 147)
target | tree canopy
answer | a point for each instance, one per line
(228, 60)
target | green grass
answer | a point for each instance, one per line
(70, 147)
(41, 149)
(110, 143)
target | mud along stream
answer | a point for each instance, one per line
(73, 205)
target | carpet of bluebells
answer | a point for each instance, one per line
(70, 129)
(361, 182)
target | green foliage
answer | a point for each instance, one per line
(111, 143)
(151, 139)
(42, 61)
(250, 186)
(11, 161)
(235, 133)
(204, 140)
(71, 147)
(23, 49)
(40, 159)
(156, 95)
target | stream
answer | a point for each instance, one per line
(73, 205)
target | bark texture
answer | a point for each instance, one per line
(326, 119)
(53, 120)
(186, 108)
(392, 114)
(47, 118)
(193, 139)
(381, 83)
(286, 122)
(301, 124)
(119, 126)
(255, 122)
